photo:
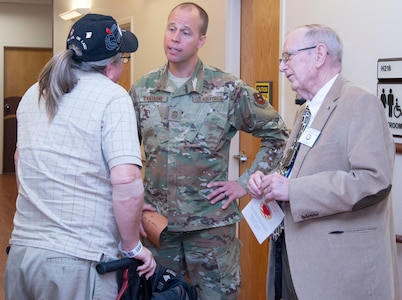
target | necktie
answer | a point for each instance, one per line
(286, 163)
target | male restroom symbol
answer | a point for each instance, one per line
(383, 98)
(390, 102)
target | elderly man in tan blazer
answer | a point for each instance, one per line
(338, 240)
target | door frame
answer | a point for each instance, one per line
(233, 13)
(259, 52)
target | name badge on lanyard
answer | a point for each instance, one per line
(309, 136)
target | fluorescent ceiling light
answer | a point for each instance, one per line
(75, 13)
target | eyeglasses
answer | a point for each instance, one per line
(286, 55)
(125, 58)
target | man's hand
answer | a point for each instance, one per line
(254, 185)
(149, 265)
(226, 191)
(147, 207)
(269, 187)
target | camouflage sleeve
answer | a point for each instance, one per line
(256, 116)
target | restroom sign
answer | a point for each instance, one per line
(265, 89)
(390, 95)
(389, 91)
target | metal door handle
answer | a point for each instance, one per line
(242, 157)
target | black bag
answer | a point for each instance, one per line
(165, 284)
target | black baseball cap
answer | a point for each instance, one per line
(100, 37)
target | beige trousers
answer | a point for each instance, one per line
(33, 273)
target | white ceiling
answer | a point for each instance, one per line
(49, 2)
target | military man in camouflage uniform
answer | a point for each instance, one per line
(187, 114)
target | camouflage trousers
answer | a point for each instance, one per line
(210, 259)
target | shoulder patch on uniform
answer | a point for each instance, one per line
(259, 100)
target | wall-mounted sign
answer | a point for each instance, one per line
(389, 91)
(265, 89)
(389, 68)
(390, 95)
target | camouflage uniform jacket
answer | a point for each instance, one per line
(186, 135)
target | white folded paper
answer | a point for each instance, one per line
(262, 217)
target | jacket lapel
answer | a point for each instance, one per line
(327, 108)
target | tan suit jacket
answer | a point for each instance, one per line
(338, 222)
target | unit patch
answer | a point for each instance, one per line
(259, 100)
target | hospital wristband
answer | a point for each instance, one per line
(132, 253)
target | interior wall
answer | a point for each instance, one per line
(17, 31)
(149, 23)
(148, 26)
(370, 30)
(149, 18)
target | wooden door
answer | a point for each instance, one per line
(259, 62)
(21, 69)
(10, 132)
(125, 78)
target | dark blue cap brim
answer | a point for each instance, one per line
(129, 43)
